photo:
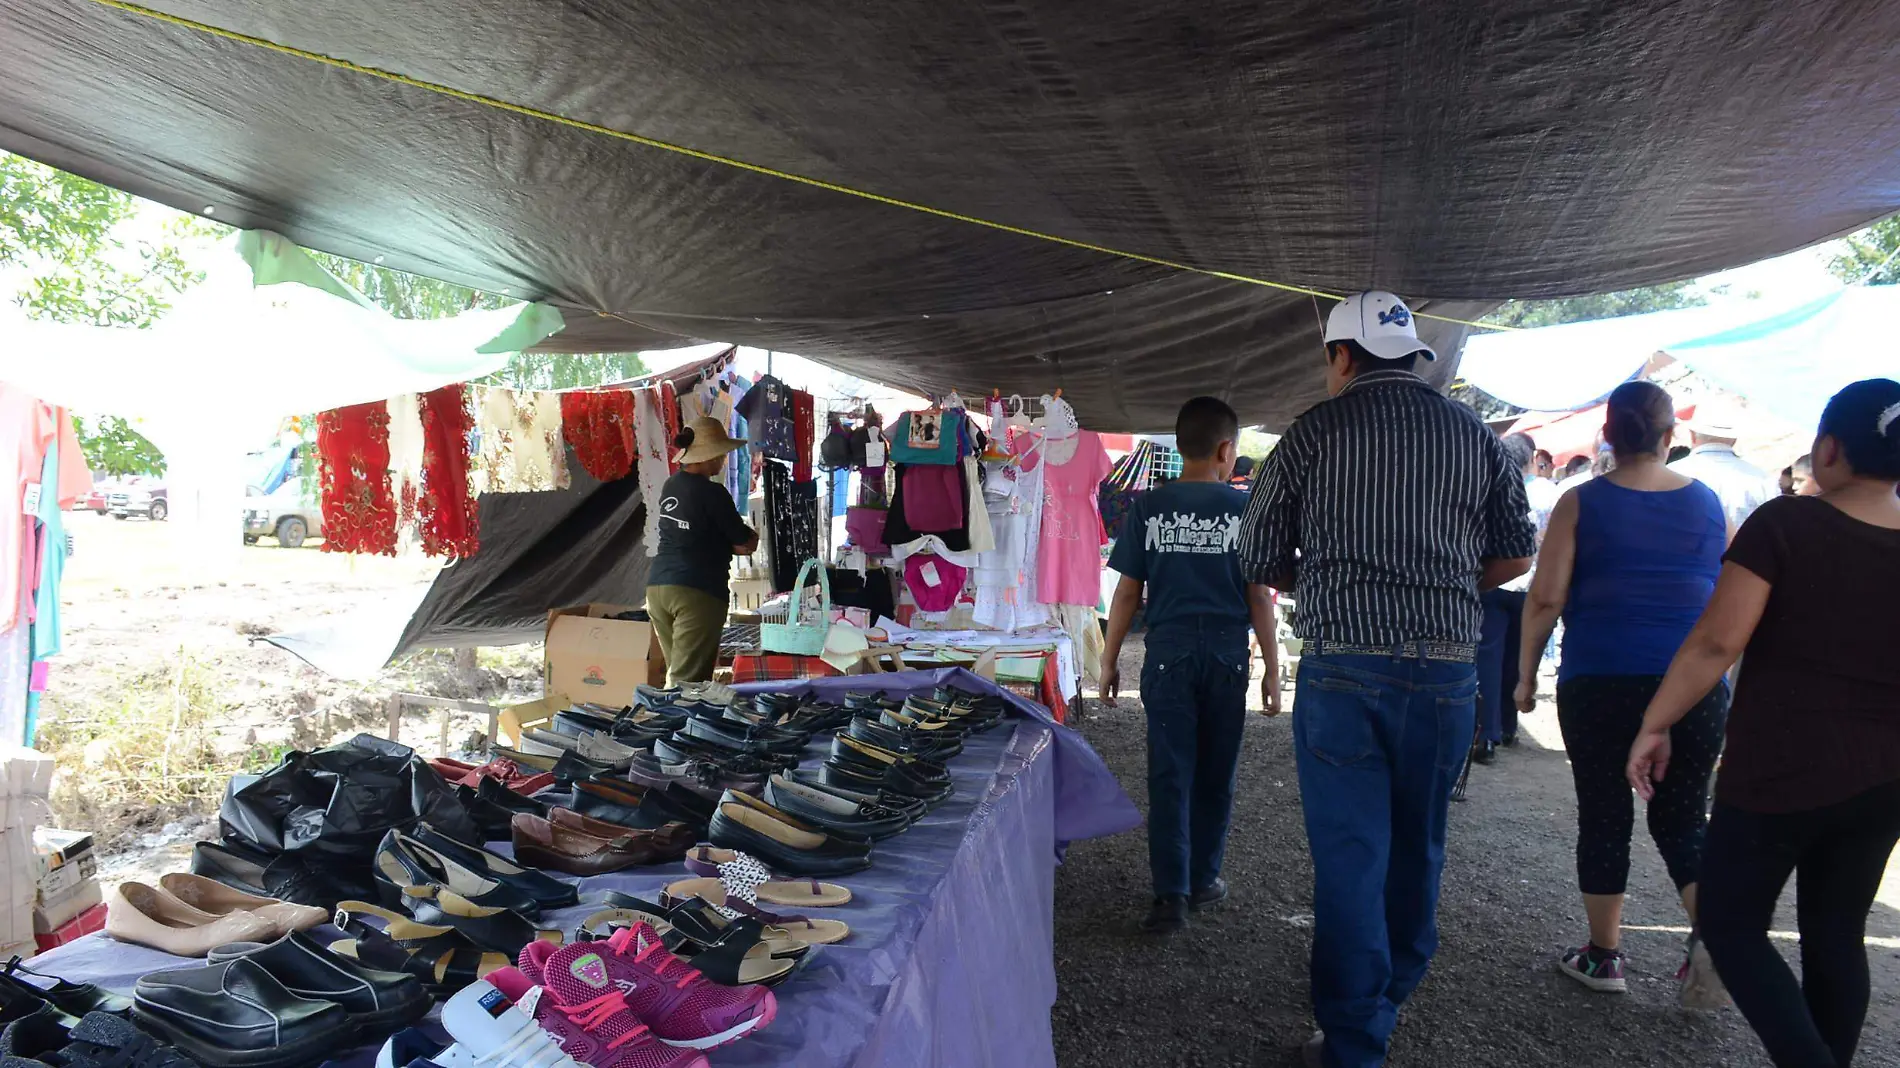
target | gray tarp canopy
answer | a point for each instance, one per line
(1462, 150)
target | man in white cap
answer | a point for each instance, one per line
(1742, 486)
(1385, 510)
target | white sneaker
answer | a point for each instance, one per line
(599, 747)
(489, 1032)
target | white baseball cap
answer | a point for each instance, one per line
(1717, 418)
(1381, 322)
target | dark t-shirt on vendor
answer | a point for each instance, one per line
(698, 528)
(1816, 716)
(1180, 540)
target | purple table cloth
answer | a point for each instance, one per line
(951, 957)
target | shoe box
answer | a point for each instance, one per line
(93, 919)
(591, 656)
(517, 720)
(68, 877)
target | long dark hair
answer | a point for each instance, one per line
(1640, 413)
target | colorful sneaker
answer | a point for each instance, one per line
(1599, 969)
(1701, 987)
(683, 1007)
(574, 1000)
(489, 1032)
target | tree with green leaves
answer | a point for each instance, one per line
(67, 236)
(1872, 255)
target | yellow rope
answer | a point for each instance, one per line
(709, 157)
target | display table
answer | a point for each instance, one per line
(951, 956)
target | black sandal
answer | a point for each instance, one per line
(442, 957)
(743, 958)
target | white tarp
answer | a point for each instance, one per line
(215, 377)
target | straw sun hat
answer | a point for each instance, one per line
(708, 441)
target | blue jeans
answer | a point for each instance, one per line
(1497, 663)
(1194, 690)
(1379, 741)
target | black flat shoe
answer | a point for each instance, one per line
(683, 747)
(897, 780)
(572, 767)
(913, 807)
(790, 845)
(234, 1015)
(494, 929)
(101, 1040)
(546, 891)
(73, 999)
(834, 813)
(407, 870)
(1485, 753)
(871, 759)
(926, 745)
(575, 723)
(441, 957)
(234, 866)
(739, 737)
(379, 1002)
(739, 955)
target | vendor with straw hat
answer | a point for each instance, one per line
(700, 532)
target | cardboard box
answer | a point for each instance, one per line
(68, 877)
(515, 720)
(93, 919)
(590, 657)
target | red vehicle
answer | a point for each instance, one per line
(96, 500)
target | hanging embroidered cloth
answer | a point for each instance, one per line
(805, 427)
(447, 513)
(654, 448)
(599, 425)
(359, 512)
(405, 464)
(522, 447)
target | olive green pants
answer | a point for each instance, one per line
(688, 622)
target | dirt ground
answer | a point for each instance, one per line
(155, 641)
(1232, 989)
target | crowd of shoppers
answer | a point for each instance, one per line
(1407, 533)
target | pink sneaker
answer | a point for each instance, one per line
(576, 1002)
(683, 1007)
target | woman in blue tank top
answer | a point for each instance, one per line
(1630, 560)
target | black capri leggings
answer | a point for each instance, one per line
(1601, 716)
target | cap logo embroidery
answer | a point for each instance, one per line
(1398, 314)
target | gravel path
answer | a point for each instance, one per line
(1232, 989)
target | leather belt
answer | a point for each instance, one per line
(1457, 652)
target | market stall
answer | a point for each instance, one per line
(948, 960)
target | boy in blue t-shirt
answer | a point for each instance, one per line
(1179, 543)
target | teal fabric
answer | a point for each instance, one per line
(46, 635)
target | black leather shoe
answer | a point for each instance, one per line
(73, 999)
(832, 812)
(402, 862)
(739, 737)
(913, 807)
(573, 767)
(378, 1002)
(1168, 915)
(681, 748)
(928, 745)
(785, 843)
(1485, 752)
(234, 1015)
(575, 723)
(546, 891)
(871, 759)
(101, 1040)
(897, 780)
(234, 866)
(1212, 894)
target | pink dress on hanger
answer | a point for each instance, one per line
(1069, 560)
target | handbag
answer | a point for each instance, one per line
(800, 635)
(864, 527)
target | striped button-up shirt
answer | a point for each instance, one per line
(1382, 502)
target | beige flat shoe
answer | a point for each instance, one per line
(145, 916)
(210, 896)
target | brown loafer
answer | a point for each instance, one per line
(541, 844)
(588, 825)
(669, 841)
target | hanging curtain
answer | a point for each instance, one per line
(599, 427)
(447, 513)
(359, 511)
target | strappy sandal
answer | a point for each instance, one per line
(442, 957)
(497, 929)
(802, 928)
(738, 961)
(711, 864)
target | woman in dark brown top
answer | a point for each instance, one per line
(1810, 781)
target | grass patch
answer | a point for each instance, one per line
(164, 750)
